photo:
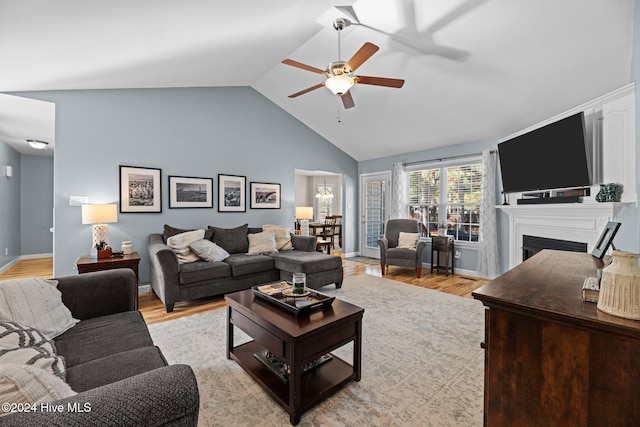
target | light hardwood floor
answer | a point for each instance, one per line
(153, 311)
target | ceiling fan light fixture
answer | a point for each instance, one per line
(38, 145)
(339, 84)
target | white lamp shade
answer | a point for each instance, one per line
(99, 214)
(304, 212)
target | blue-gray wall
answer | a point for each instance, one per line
(9, 205)
(36, 205)
(198, 132)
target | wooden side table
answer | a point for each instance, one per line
(442, 244)
(86, 264)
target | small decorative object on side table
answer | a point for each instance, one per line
(87, 264)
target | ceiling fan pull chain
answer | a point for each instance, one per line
(338, 105)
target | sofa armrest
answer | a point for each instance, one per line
(99, 293)
(166, 396)
(383, 243)
(304, 243)
(420, 249)
(164, 270)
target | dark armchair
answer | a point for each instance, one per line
(391, 254)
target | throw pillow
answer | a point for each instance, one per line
(283, 236)
(180, 245)
(209, 251)
(14, 335)
(408, 240)
(28, 384)
(27, 346)
(232, 240)
(262, 243)
(170, 231)
(36, 303)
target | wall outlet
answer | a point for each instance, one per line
(457, 254)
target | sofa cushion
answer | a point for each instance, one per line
(36, 303)
(305, 262)
(172, 231)
(101, 336)
(115, 367)
(232, 240)
(242, 264)
(202, 270)
(180, 245)
(28, 384)
(208, 251)
(262, 243)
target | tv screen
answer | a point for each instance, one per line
(550, 157)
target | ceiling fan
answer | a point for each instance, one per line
(340, 75)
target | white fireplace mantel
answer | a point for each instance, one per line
(577, 222)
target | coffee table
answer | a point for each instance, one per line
(297, 341)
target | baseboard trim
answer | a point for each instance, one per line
(20, 258)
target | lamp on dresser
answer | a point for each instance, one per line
(99, 216)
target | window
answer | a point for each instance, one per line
(324, 204)
(447, 197)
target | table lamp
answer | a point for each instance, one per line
(99, 215)
(303, 215)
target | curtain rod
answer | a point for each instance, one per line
(445, 158)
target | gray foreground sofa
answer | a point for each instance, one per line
(173, 282)
(112, 363)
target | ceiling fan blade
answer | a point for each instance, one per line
(303, 66)
(379, 81)
(347, 100)
(362, 55)
(309, 89)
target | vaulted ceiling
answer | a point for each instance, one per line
(473, 69)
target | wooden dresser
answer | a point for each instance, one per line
(552, 359)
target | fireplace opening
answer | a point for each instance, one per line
(531, 245)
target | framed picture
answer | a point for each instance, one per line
(606, 239)
(232, 193)
(140, 189)
(265, 195)
(189, 192)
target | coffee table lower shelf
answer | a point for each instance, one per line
(317, 384)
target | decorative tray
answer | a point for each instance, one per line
(279, 293)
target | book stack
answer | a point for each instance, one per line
(591, 289)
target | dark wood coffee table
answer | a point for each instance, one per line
(297, 341)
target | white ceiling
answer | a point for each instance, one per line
(507, 64)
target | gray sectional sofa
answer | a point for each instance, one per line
(112, 363)
(174, 282)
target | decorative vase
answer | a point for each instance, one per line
(620, 286)
(609, 193)
(600, 197)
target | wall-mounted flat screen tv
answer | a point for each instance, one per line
(551, 157)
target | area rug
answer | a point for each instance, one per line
(422, 363)
(364, 259)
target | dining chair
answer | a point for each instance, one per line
(328, 231)
(337, 229)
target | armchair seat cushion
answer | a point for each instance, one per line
(102, 336)
(243, 264)
(115, 367)
(401, 253)
(203, 270)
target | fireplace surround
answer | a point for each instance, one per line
(574, 222)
